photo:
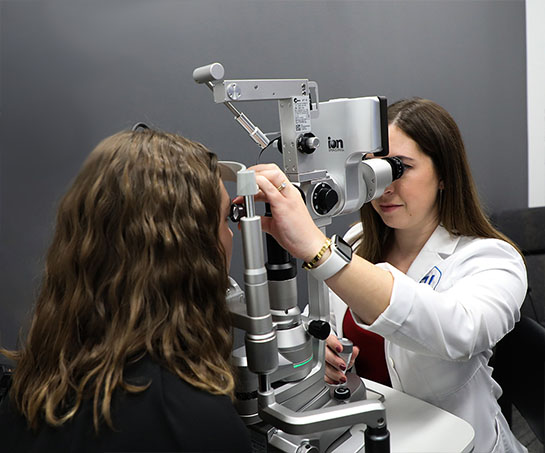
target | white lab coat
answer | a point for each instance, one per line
(460, 296)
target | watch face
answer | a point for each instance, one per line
(344, 249)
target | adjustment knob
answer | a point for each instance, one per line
(319, 329)
(236, 212)
(341, 393)
(324, 198)
(307, 143)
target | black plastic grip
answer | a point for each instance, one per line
(377, 440)
(383, 105)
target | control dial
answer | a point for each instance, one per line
(319, 329)
(307, 143)
(324, 198)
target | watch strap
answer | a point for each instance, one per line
(333, 264)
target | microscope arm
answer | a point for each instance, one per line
(229, 91)
(371, 413)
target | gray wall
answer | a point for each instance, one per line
(73, 72)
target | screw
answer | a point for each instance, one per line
(233, 91)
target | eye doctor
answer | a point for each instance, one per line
(429, 273)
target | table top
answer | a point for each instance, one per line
(419, 427)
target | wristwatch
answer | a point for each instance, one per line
(340, 256)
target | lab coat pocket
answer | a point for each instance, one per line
(499, 446)
(445, 377)
(505, 440)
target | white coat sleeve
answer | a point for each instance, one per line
(478, 305)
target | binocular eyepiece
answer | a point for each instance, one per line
(397, 167)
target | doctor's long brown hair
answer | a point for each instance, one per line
(437, 135)
(135, 267)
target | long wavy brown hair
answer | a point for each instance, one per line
(438, 136)
(135, 267)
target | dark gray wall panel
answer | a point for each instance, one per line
(73, 72)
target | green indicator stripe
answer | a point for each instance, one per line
(303, 363)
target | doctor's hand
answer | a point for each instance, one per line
(335, 366)
(291, 224)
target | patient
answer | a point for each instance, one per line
(128, 348)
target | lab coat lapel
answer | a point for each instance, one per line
(439, 247)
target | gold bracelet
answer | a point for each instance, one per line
(310, 264)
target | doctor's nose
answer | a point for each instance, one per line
(389, 189)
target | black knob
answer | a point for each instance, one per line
(236, 212)
(324, 198)
(341, 393)
(307, 143)
(319, 329)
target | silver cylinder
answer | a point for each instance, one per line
(377, 175)
(252, 243)
(209, 73)
(283, 294)
(346, 353)
(262, 353)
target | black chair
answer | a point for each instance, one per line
(519, 368)
(519, 358)
(526, 228)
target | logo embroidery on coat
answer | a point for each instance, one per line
(433, 277)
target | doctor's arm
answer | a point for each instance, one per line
(364, 287)
(484, 290)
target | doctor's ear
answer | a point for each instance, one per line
(441, 185)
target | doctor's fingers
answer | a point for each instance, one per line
(333, 344)
(272, 184)
(333, 360)
(287, 205)
(270, 171)
(271, 181)
(267, 168)
(334, 376)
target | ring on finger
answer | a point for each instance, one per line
(282, 186)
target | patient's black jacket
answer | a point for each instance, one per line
(170, 416)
